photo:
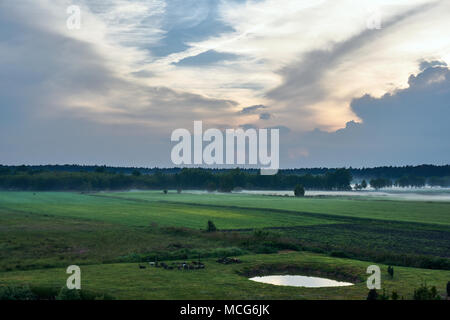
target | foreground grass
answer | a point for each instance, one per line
(217, 281)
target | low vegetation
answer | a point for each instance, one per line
(108, 234)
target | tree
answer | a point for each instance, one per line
(136, 173)
(380, 183)
(364, 184)
(299, 191)
(211, 227)
(211, 186)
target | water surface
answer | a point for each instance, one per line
(300, 281)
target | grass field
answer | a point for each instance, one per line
(108, 233)
(217, 281)
(359, 207)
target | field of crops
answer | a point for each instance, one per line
(108, 234)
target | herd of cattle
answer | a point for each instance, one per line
(194, 265)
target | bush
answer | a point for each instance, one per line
(67, 294)
(448, 288)
(299, 191)
(211, 227)
(373, 295)
(394, 295)
(426, 293)
(16, 293)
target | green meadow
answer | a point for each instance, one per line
(110, 234)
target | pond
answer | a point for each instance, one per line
(301, 281)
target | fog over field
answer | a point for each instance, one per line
(411, 194)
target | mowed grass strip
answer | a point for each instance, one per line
(217, 281)
(144, 213)
(361, 207)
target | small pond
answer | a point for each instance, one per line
(301, 281)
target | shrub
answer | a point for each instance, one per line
(448, 288)
(383, 296)
(67, 294)
(373, 295)
(299, 191)
(16, 293)
(394, 295)
(426, 293)
(211, 227)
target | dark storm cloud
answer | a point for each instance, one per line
(409, 126)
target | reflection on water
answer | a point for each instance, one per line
(301, 281)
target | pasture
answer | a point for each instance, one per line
(109, 234)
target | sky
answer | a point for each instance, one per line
(348, 83)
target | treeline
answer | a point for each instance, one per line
(430, 172)
(410, 182)
(203, 179)
(393, 173)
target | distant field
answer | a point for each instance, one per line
(408, 211)
(144, 213)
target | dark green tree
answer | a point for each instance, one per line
(136, 173)
(299, 191)
(364, 184)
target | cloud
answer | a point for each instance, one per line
(139, 69)
(408, 126)
(265, 116)
(205, 58)
(252, 109)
